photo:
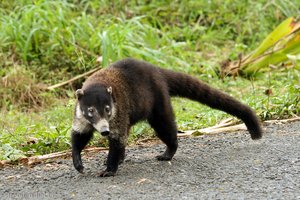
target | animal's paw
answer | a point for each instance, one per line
(256, 136)
(163, 157)
(78, 166)
(106, 173)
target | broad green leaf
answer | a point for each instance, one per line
(277, 57)
(265, 62)
(285, 28)
(285, 39)
(294, 40)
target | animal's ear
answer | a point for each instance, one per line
(109, 90)
(79, 93)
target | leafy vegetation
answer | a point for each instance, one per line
(46, 42)
(280, 46)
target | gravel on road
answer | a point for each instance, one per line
(223, 166)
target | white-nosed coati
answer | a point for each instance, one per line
(115, 98)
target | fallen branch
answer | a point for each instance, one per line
(227, 126)
(214, 130)
(282, 120)
(4, 163)
(37, 159)
(72, 79)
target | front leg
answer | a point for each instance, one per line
(79, 141)
(116, 155)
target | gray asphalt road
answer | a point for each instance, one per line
(224, 166)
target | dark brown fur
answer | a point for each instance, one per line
(141, 91)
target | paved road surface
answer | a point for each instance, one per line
(224, 166)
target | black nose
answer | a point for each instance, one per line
(105, 133)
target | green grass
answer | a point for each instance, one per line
(46, 42)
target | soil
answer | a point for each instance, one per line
(223, 166)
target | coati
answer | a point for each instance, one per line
(128, 91)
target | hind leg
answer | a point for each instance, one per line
(163, 122)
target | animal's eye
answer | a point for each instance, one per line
(90, 112)
(107, 108)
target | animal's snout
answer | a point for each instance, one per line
(102, 126)
(104, 131)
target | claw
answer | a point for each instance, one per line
(106, 173)
(79, 168)
(81, 171)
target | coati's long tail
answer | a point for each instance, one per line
(186, 86)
